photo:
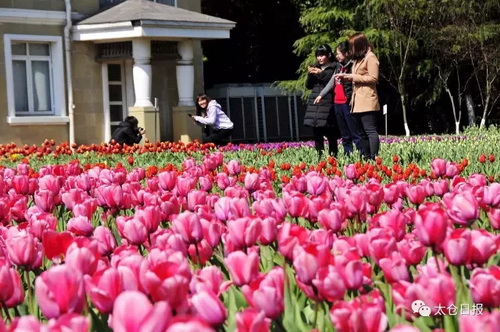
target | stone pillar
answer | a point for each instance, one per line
(185, 130)
(141, 51)
(143, 109)
(185, 73)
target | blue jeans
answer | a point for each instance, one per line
(349, 130)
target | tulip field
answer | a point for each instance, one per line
(251, 237)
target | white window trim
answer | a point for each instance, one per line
(58, 86)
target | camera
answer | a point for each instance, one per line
(141, 129)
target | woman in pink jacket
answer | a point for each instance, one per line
(364, 103)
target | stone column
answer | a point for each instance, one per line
(143, 108)
(141, 51)
(185, 73)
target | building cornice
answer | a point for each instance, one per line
(32, 16)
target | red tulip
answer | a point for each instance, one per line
(60, 290)
(431, 223)
(209, 308)
(55, 244)
(485, 286)
(243, 268)
(133, 312)
(251, 320)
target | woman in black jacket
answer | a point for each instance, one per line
(342, 90)
(128, 131)
(320, 116)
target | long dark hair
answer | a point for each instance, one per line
(359, 46)
(199, 110)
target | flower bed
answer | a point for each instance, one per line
(171, 237)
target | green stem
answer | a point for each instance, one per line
(6, 310)
(316, 309)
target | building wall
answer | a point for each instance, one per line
(87, 94)
(33, 134)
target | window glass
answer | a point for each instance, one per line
(114, 72)
(115, 92)
(41, 86)
(18, 49)
(116, 112)
(39, 49)
(20, 86)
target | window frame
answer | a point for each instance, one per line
(58, 95)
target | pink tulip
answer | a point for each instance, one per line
(209, 308)
(188, 324)
(80, 226)
(269, 231)
(105, 240)
(438, 167)
(166, 276)
(184, 185)
(251, 182)
(483, 246)
(462, 208)
(333, 218)
(381, 244)
(103, 288)
(404, 328)
(167, 180)
(485, 286)
(289, 236)
(20, 183)
(491, 194)
(329, 284)
(132, 229)
(416, 194)
(351, 172)
(24, 249)
(391, 193)
(244, 232)
(69, 322)
(60, 290)
(24, 323)
(356, 202)
(209, 279)
(451, 170)
(431, 223)
(485, 322)
(243, 268)
(350, 268)
(296, 204)
(11, 288)
(188, 226)
(206, 183)
(316, 185)
(352, 316)
(233, 167)
(44, 200)
(394, 268)
(270, 207)
(494, 217)
(201, 252)
(133, 312)
(457, 246)
(412, 250)
(392, 220)
(228, 208)
(196, 198)
(266, 293)
(441, 187)
(251, 320)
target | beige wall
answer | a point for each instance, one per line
(25, 134)
(87, 7)
(87, 94)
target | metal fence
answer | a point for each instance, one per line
(262, 113)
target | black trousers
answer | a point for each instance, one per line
(331, 134)
(218, 136)
(370, 142)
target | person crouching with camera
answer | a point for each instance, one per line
(128, 132)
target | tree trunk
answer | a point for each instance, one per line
(457, 127)
(470, 110)
(403, 105)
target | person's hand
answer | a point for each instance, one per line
(343, 77)
(317, 100)
(313, 70)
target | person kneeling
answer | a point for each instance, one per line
(214, 117)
